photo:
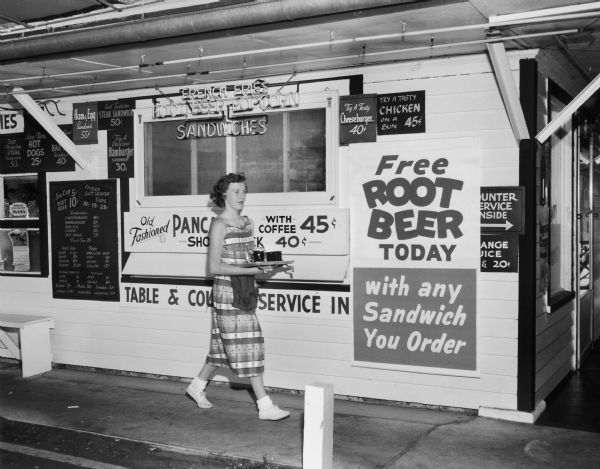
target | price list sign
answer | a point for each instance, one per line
(401, 113)
(12, 149)
(116, 117)
(358, 121)
(34, 150)
(499, 253)
(84, 240)
(58, 159)
(289, 231)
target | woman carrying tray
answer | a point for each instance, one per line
(236, 337)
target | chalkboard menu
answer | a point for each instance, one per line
(116, 117)
(358, 119)
(116, 114)
(499, 253)
(33, 151)
(401, 113)
(120, 153)
(84, 240)
(85, 123)
(58, 159)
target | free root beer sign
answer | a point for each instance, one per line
(415, 317)
(415, 247)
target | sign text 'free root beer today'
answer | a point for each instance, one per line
(415, 249)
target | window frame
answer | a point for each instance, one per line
(38, 224)
(327, 100)
(566, 159)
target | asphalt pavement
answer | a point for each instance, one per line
(74, 416)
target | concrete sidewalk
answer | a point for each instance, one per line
(365, 435)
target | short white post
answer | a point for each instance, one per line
(318, 426)
(36, 356)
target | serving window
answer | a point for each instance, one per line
(287, 155)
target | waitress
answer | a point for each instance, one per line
(236, 337)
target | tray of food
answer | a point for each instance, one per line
(265, 263)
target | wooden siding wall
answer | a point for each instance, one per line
(554, 331)
(462, 99)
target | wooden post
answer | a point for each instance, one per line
(36, 356)
(318, 426)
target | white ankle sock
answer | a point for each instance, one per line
(264, 403)
(201, 383)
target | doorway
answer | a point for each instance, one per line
(586, 242)
(575, 403)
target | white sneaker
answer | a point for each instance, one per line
(199, 396)
(273, 413)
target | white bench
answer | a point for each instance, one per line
(32, 346)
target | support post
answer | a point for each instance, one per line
(318, 426)
(508, 89)
(54, 130)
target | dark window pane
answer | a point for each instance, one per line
(289, 157)
(307, 151)
(211, 158)
(261, 157)
(181, 167)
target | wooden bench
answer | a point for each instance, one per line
(30, 341)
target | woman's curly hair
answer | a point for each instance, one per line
(217, 195)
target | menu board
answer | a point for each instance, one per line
(401, 113)
(58, 159)
(84, 240)
(85, 123)
(33, 150)
(358, 119)
(116, 117)
(115, 114)
(11, 154)
(499, 253)
(120, 153)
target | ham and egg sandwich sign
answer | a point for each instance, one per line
(414, 245)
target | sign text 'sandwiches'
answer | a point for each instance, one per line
(222, 128)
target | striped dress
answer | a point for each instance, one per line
(236, 337)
